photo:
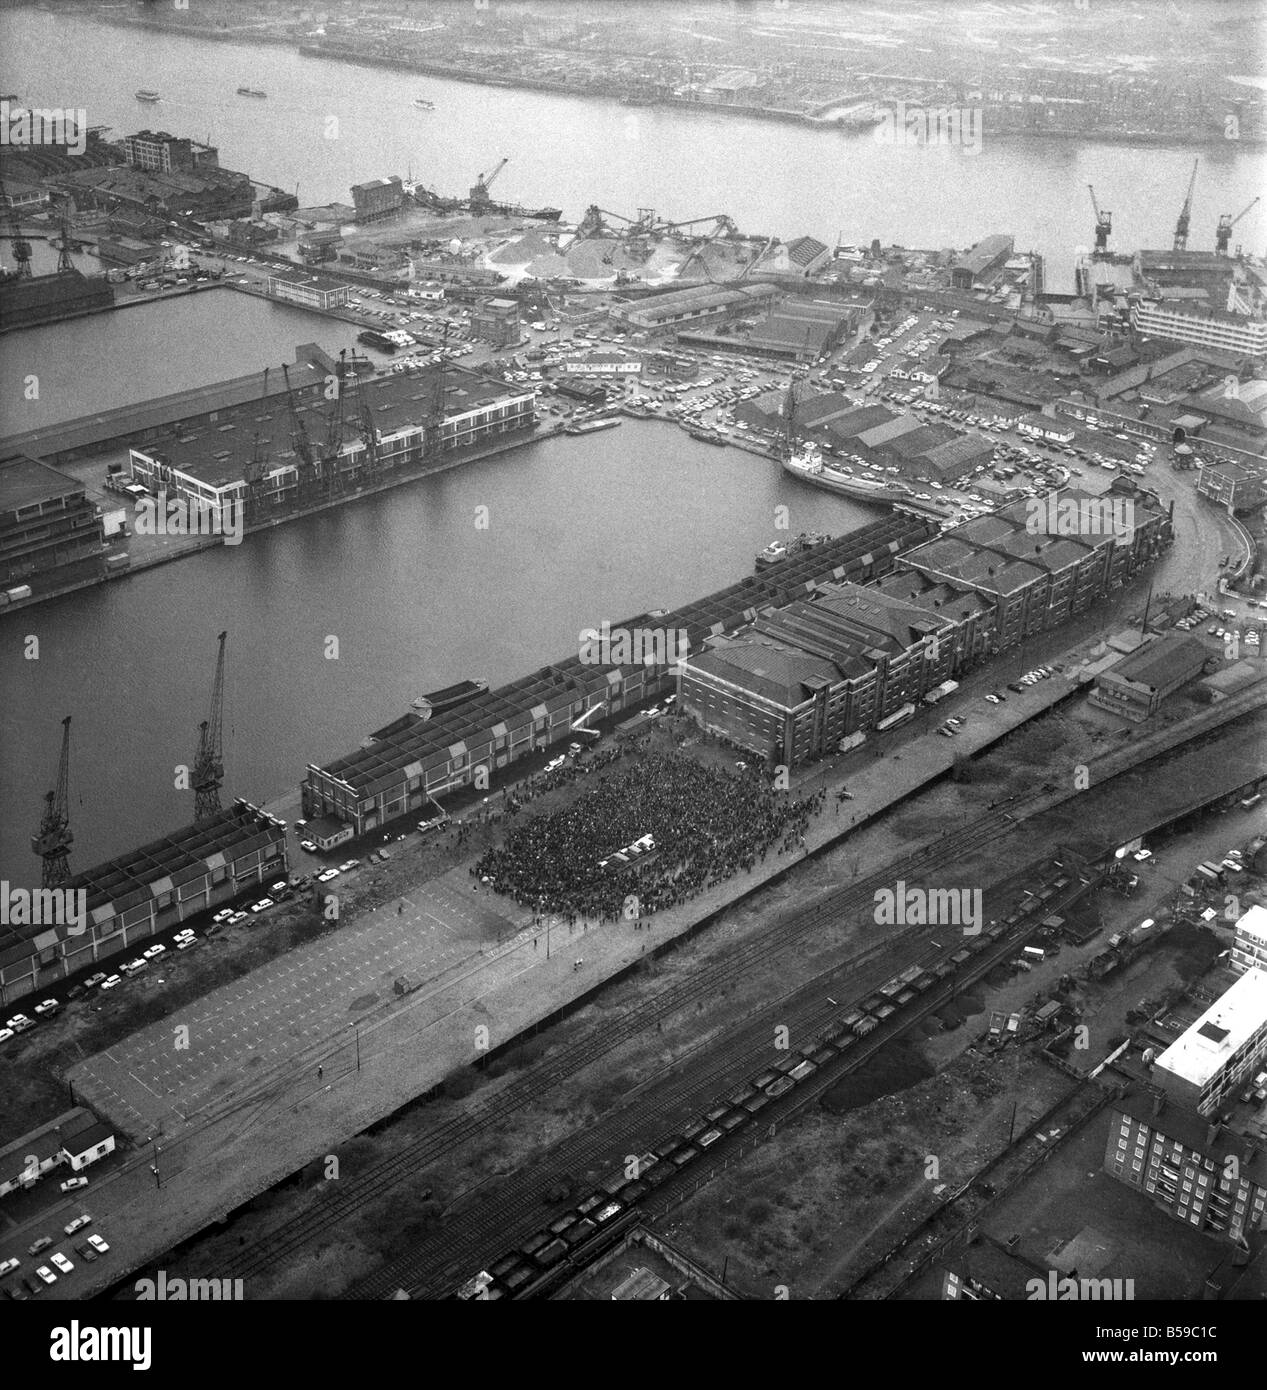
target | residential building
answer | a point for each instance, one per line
(1203, 1067)
(1194, 1171)
(1249, 950)
(1203, 327)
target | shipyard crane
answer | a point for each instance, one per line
(20, 245)
(334, 427)
(253, 473)
(53, 839)
(1185, 213)
(1103, 226)
(209, 764)
(299, 440)
(1223, 233)
(479, 191)
(365, 418)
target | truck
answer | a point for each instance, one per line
(939, 692)
(854, 740)
(899, 716)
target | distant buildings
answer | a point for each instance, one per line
(162, 153)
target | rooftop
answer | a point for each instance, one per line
(1220, 1032)
(25, 480)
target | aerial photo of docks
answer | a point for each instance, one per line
(878, 915)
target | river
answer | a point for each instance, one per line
(581, 529)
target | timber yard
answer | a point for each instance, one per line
(887, 923)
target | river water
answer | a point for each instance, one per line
(581, 529)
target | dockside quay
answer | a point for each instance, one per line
(139, 895)
(415, 758)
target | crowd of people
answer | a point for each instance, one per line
(708, 824)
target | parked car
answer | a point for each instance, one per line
(73, 1185)
(98, 1244)
(86, 1253)
(82, 1220)
(262, 905)
(326, 875)
(8, 1266)
(62, 1262)
(94, 980)
(110, 981)
(46, 1274)
(308, 846)
(47, 1006)
(153, 952)
(19, 1023)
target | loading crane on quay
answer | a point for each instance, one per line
(1223, 233)
(53, 839)
(208, 772)
(479, 190)
(1185, 213)
(1103, 227)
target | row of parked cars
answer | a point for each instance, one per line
(29, 1285)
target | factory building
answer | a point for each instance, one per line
(794, 681)
(1204, 1067)
(1239, 487)
(1136, 685)
(378, 199)
(162, 153)
(1201, 1174)
(207, 465)
(496, 322)
(144, 892)
(28, 301)
(1249, 950)
(704, 304)
(987, 255)
(416, 758)
(50, 533)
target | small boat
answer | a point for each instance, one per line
(144, 95)
(251, 92)
(783, 550)
(423, 104)
(437, 701)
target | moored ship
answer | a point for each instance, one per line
(251, 92)
(808, 464)
(145, 95)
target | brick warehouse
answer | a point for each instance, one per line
(415, 758)
(794, 682)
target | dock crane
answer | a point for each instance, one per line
(1185, 212)
(1223, 233)
(334, 428)
(209, 764)
(20, 245)
(53, 839)
(299, 440)
(1103, 226)
(479, 190)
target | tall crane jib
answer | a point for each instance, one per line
(52, 841)
(208, 775)
(1103, 225)
(1185, 213)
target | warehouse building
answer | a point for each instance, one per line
(1198, 1173)
(796, 680)
(1203, 1068)
(1135, 686)
(704, 304)
(986, 256)
(142, 893)
(377, 199)
(311, 294)
(50, 533)
(415, 758)
(206, 465)
(496, 321)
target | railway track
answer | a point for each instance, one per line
(422, 1271)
